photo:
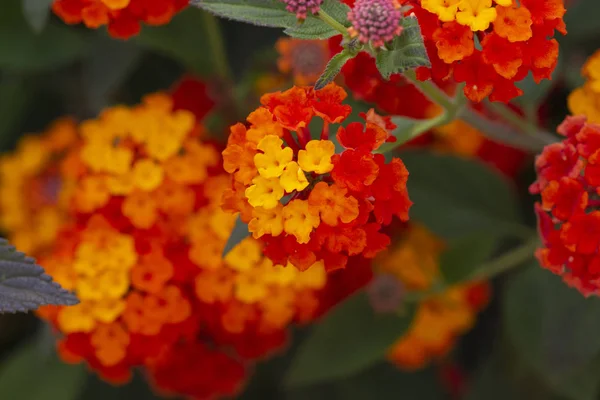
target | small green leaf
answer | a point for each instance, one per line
(239, 233)
(272, 13)
(334, 66)
(456, 197)
(464, 256)
(351, 339)
(407, 51)
(555, 329)
(24, 286)
(26, 375)
(37, 13)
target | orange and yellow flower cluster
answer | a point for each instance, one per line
(142, 247)
(487, 44)
(310, 203)
(32, 207)
(123, 17)
(439, 321)
(586, 99)
(490, 44)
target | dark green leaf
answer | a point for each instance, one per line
(456, 197)
(24, 286)
(239, 233)
(16, 93)
(37, 13)
(465, 255)
(28, 376)
(351, 339)
(272, 13)
(334, 66)
(386, 381)
(555, 329)
(185, 39)
(582, 20)
(106, 68)
(22, 50)
(407, 51)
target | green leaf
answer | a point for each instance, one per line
(386, 381)
(24, 286)
(27, 376)
(16, 93)
(239, 233)
(22, 50)
(555, 329)
(465, 255)
(272, 13)
(334, 66)
(351, 339)
(106, 68)
(37, 13)
(184, 39)
(407, 51)
(456, 197)
(582, 20)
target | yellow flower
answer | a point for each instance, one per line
(314, 277)
(504, 3)
(444, 9)
(108, 310)
(299, 220)
(77, 318)
(293, 178)
(266, 222)
(250, 287)
(317, 156)
(264, 192)
(272, 161)
(244, 256)
(476, 14)
(147, 175)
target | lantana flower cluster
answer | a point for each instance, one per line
(439, 321)
(308, 201)
(123, 17)
(568, 216)
(585, 100)
(32, 173)
(489, 45)
(142, 250)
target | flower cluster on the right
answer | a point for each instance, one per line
(568, 180)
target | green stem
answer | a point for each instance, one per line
(419, 127)
(329, 20)
(217, 46)
(487, 271)
(519, 122)
(431, 90)
(495, 131)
